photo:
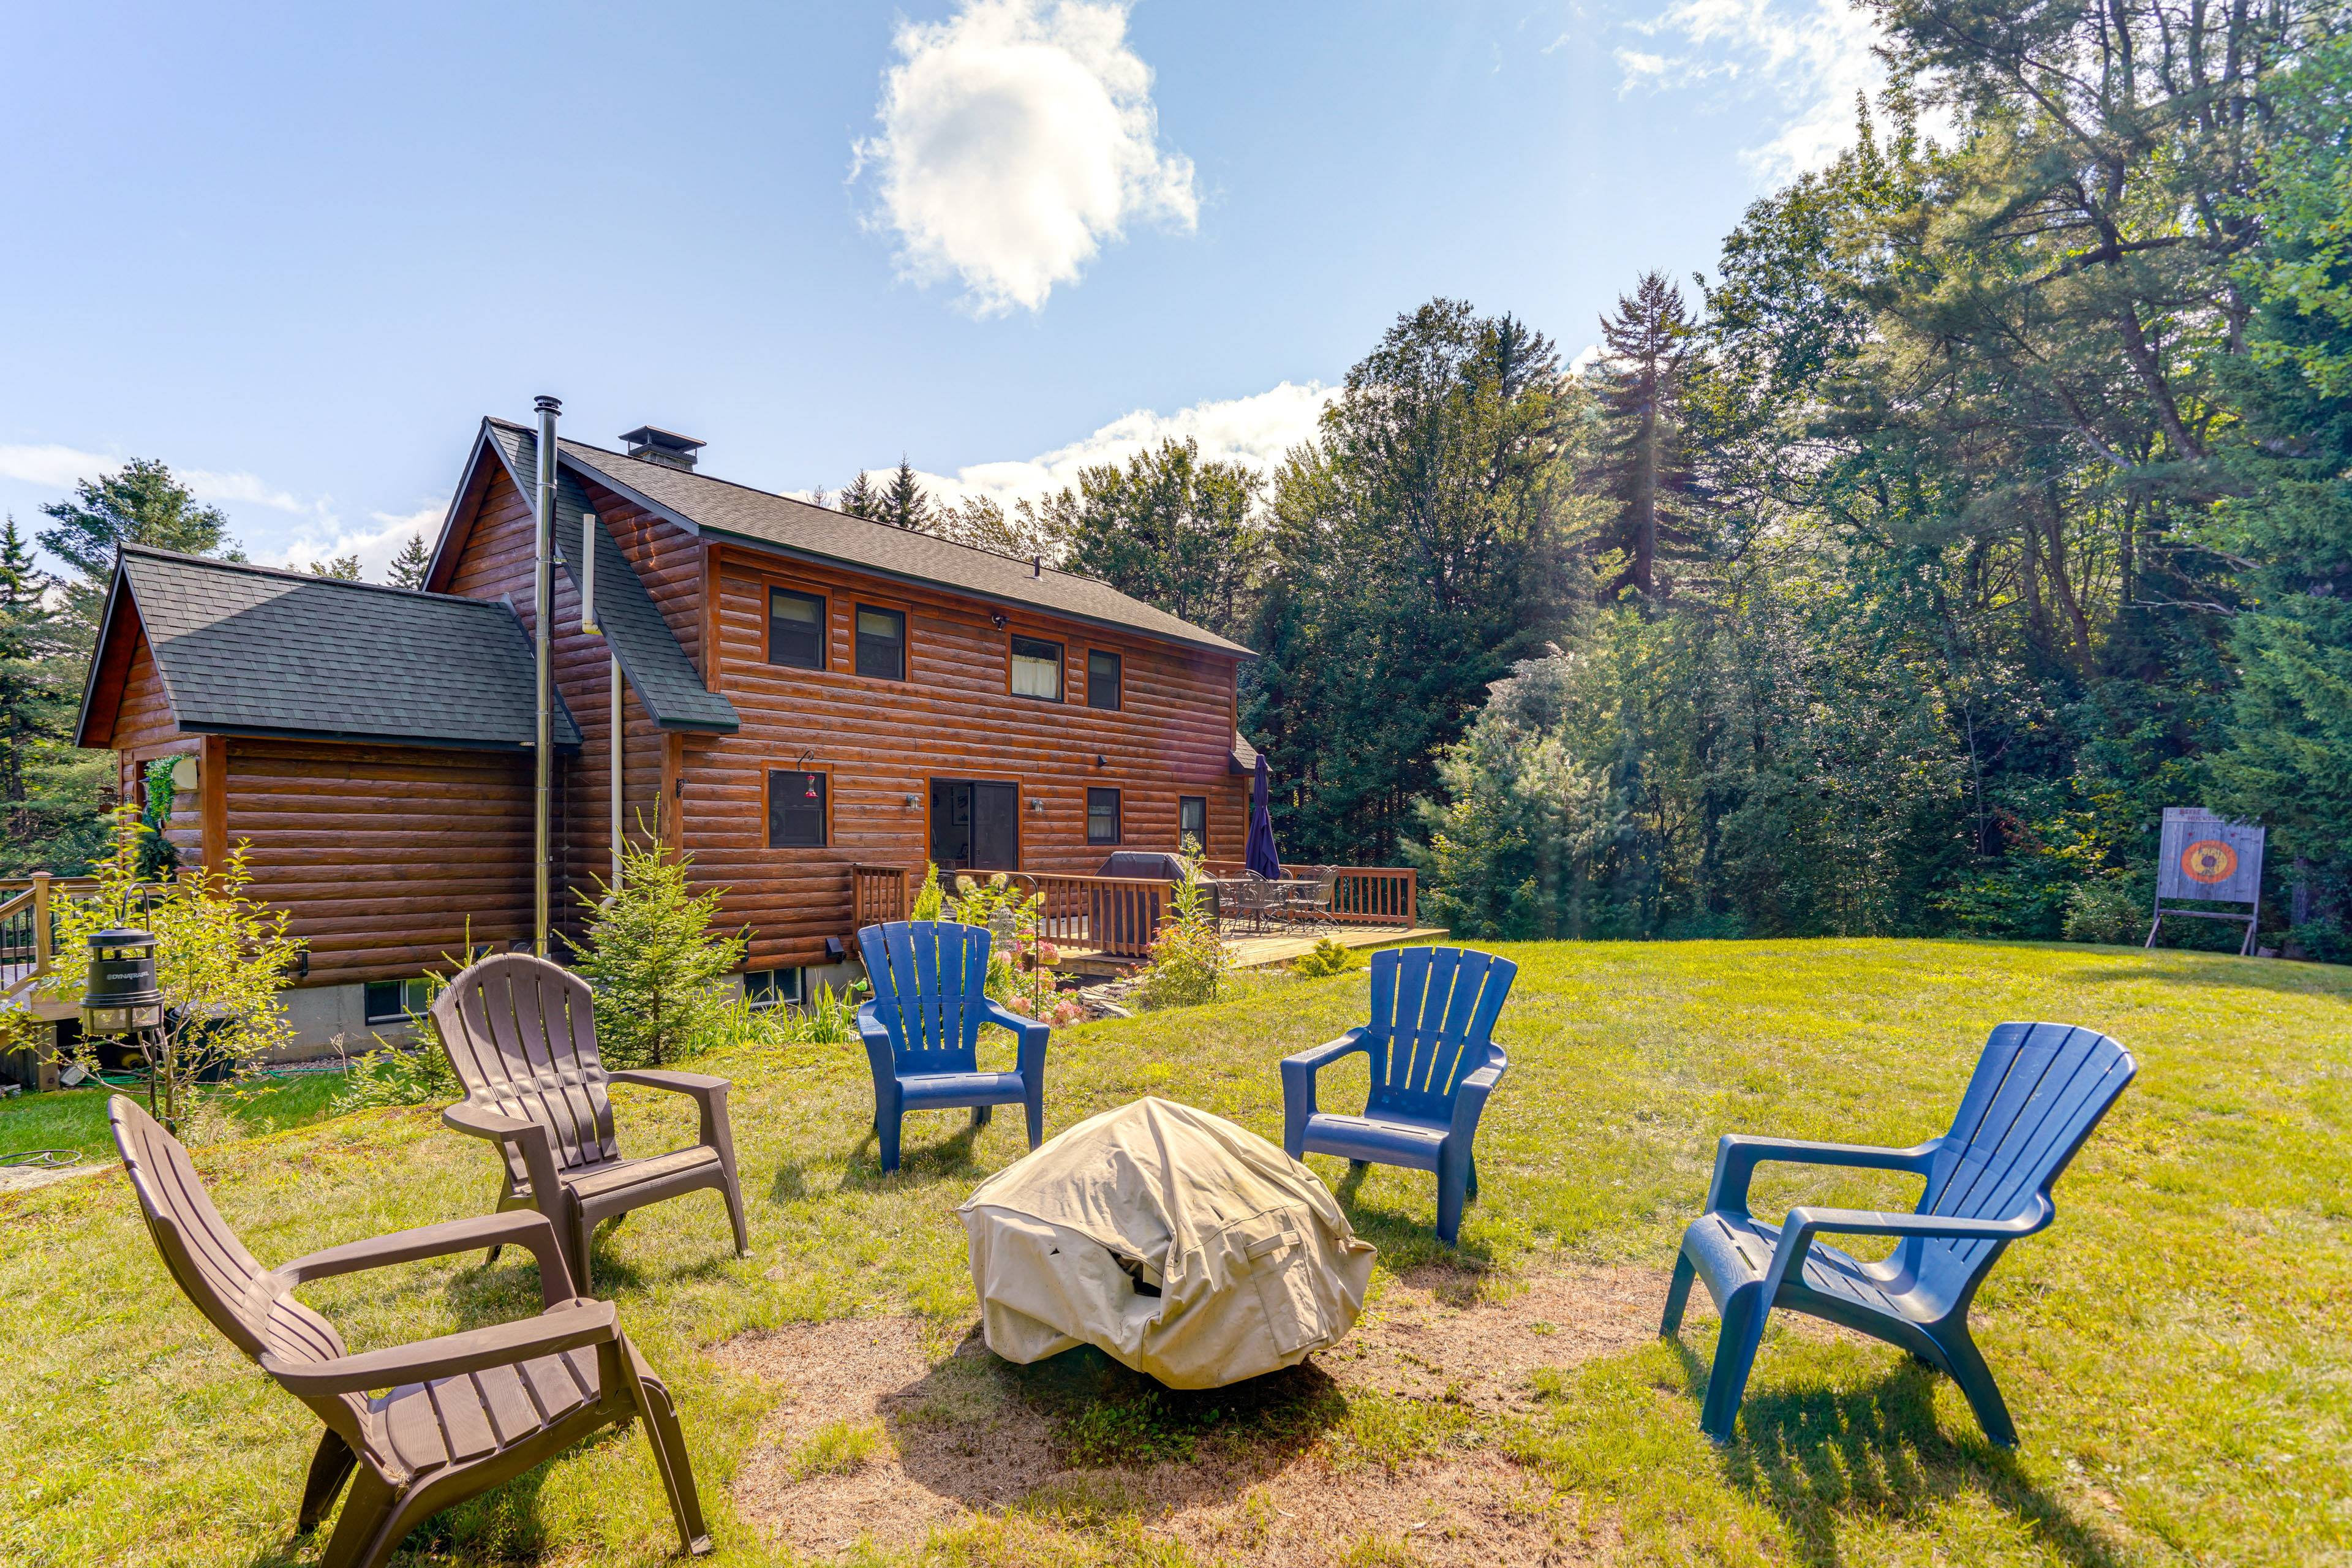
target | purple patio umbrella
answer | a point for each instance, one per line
(1261, 857)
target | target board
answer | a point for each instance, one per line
(2204, 856)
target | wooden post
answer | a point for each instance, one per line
(42, 954)
(671, 813)
(211, 802)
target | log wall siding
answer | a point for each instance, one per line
(954, 717)
(383, 854)
(144, 729)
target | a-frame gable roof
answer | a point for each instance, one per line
(252, 650)
(658, 671)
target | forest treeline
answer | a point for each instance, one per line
(1986, 495)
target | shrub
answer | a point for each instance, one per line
(655, 963)
(2109, 911)
(1187, 957)
(221, 960)
(1329, 958)
(929, 900)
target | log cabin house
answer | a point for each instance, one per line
(813, 705)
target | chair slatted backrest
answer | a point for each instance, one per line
(1433, 1025)
(930, 979)
(244, 1301)
(2037, 1092)
(521, 1036)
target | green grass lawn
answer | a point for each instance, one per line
(2177, 1350)
(75, 1118)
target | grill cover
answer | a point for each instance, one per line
(1181, 1245)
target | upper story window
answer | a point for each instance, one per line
(797, 809)
(881, 643)
(1037, 668)
(796, 628)
(1102, 678)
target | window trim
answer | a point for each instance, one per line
(1118, 702)
(905, 640)
(1180, 801)
(1061, 666)
(799, 988)
(405, 982)
(768, 771)
(770, 588)
(1118, 815)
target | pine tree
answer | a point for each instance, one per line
(346, 567)
(903, 503)
(33, 710)
(409, 566)
(859, 498)
(1645, 468)
(141, 503)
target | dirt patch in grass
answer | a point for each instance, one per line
(1378, 1451)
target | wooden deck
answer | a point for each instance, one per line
(1261, 952)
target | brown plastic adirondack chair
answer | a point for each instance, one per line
(521, 1034)
(463, 1412)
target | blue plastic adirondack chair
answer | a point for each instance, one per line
(2038, 1091)
(922, 1029)
(1434, 1062)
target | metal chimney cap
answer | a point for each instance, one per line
(543, 404)
(656, 445)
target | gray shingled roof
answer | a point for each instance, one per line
(249, 650)
(758, 517)
(660, 674)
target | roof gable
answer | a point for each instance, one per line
(658, 671)
(245, 649)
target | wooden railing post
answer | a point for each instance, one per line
(41, 935)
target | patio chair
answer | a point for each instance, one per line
(1434, 1063)
(2038, 1091)
(463, 1412)
(520, 1034)
(922, 1030)
(1252, 897)
(1308, 901)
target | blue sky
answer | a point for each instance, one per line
(296, 252)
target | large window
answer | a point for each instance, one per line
(1192, 821)
(795, 630)
(1102, 678)
(394, 1001)
(1037, 668)
(1102, 816)
(797, 809)
(881, 643)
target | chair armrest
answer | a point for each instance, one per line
(1298, 1082)
(562, 1329)
(520, 1227)
(879, 1052)
(1033, 1034)
(708, 1092)
(1797, 1231)
(1470, 1098)
(537, 1149)
(1736, 1155)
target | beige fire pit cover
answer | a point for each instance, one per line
(1252, 1263)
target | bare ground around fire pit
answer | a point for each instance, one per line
(883, 1434)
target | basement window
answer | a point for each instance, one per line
(396, 1001)
(1037, 669)
(764, 988)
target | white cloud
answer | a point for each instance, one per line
(1812, 56)
(1016, 138)
(1256, 430)
(247, 489)
(375, 546)
(53, 467)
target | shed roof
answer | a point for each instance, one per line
(245, 649)
(714, 506)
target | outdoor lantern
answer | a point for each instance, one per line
(121, 994)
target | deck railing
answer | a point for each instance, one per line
(1360, 895)
(877, 893)
(29, 928)
(1116, 916)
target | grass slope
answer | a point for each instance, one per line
(2176, 1349)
